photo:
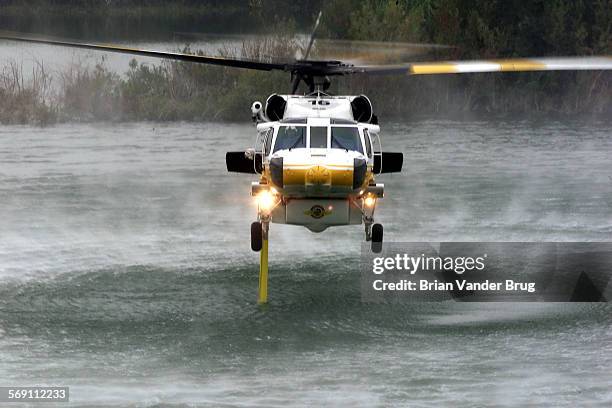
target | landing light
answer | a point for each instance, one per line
(370, 201)
(266, 200)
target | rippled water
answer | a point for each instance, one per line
(126, 272)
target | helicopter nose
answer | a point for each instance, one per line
(319, 177)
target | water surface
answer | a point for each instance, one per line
(126, 272)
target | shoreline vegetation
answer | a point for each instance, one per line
(172, 91)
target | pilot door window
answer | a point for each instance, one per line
(268, 141)
(290, 137)
(368, 142)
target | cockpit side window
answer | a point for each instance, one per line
(346, 138)
(368, 142)
(290, 137)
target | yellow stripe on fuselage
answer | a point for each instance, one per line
(309, 165)
(296, 177)
(339, 175)
(342, 178)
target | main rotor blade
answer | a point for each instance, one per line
(500, 65)
(178, 56)
(373, 52)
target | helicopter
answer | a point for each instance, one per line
(318, 156)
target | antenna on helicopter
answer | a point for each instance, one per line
(296, 75)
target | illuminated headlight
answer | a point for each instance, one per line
(266, 200)
(369, 201)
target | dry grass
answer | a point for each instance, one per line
(26, 99)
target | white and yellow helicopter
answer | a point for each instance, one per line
(317, 155)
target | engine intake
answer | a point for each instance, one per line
(275, 107)
(362, 109)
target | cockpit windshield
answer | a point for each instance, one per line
(346, 138)
(290, 137)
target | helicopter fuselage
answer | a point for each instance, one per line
(319, 173)
(317, 157)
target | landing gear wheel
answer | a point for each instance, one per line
(256, 236)
(377, 238)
